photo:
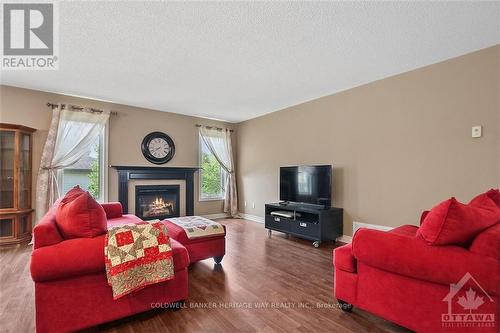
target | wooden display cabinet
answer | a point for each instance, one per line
(16, 148)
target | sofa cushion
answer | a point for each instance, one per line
(453, 223)
(79, 215)
(487, 243)
(80, 256)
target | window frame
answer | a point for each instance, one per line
(202, 198)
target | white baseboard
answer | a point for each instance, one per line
(216, 216)
(357, 225)
(251, 217)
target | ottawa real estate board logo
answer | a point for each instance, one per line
(469, 305)
(29, 35)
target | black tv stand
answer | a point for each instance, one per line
(313, 222)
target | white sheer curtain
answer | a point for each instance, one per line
(219, 144)
(71, 135)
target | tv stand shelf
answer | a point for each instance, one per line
(310, 222)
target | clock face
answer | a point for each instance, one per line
(158, 147)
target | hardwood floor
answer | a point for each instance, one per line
(288, 278)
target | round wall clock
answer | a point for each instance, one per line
(158, 147)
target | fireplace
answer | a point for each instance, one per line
(157, 201)
(139, 173)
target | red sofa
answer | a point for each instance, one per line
(71, 289)
(399, 277)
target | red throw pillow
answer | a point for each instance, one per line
(71, 194)
(79, 215)
(486, 243)
(453, 223)
(492, 194)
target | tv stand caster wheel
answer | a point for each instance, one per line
(269, 233)
(316, 244)
(344, 306)
(218, 260)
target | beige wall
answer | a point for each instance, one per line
(398, 145)
(126, 131)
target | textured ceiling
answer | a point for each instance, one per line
(235, 61)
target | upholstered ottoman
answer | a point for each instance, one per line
(203, 238)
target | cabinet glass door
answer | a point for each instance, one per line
(24, 172)
(6, 227)
(7, 156)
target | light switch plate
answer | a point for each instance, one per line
(477, 131)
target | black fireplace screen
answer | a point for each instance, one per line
(157, 201)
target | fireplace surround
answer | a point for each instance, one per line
(127, 173)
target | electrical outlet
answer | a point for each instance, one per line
(477, 131)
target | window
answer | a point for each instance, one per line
(89, 172)
(212, 176)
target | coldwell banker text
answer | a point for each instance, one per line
(30, 36)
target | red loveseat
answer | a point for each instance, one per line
(399, 277)
(71, 289)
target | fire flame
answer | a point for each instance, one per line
(158, 207)
(159, 202)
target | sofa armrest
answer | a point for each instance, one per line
(72, 257)
(343, 258)
(412, 257)
(112, 209)
(45, 232)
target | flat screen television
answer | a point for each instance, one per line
(310, 184)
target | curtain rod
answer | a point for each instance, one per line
(79, 108)
(210, 127)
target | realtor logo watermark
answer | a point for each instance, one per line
(30, 36)
(469, 305)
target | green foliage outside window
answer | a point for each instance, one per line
(94, 186)
(211, 185)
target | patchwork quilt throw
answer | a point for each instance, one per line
(197, 226)
(137, 255)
